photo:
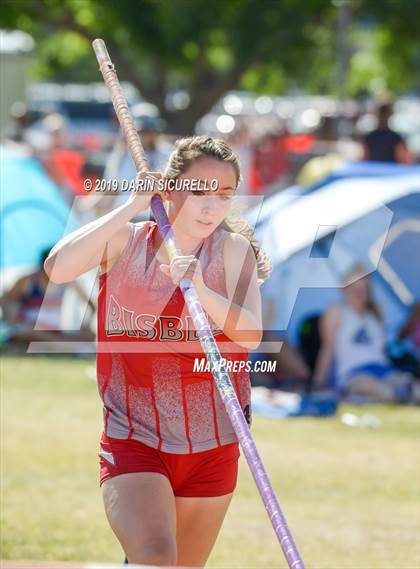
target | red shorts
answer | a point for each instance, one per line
(203, 474)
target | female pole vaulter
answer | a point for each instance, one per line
(169, 454)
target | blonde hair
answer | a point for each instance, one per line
(186, 151)
(357, 272)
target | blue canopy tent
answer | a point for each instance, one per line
(364, 212)
(34, 214)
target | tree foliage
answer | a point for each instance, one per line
(205, 46)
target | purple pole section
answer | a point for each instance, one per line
(228, 395)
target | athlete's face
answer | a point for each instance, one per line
(198, 212)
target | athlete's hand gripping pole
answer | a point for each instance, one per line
(201, 324)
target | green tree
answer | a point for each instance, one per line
(207, 47)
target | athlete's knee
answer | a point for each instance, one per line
(161, 552)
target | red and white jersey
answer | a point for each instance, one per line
(146, 350)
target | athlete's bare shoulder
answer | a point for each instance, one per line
(237, 248)
(236, 241)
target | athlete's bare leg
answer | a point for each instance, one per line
(141, 511)
(198, 523)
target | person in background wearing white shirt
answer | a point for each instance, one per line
(353, 337)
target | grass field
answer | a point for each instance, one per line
(351, 496)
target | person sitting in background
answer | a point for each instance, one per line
(383, 144)
(32, 315)
(353, 337)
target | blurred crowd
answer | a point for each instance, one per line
(272, 145)
(277, 146)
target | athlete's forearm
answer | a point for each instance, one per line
(239, 324)
(84, 248)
